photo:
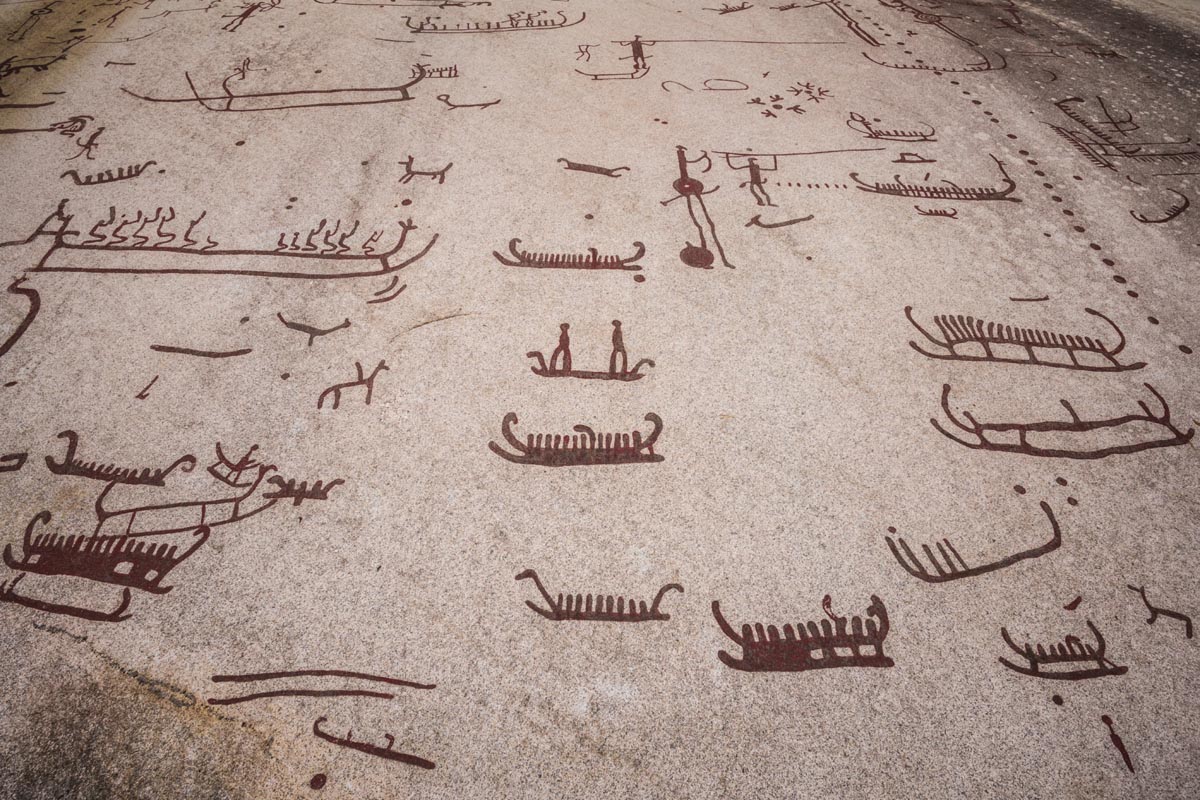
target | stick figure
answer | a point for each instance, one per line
(692, 191)
(87, 146)
(563, 351)
(1116, 740)
(35, 16)
(248, 10)
(757, 185)
(618, 351)
(638, 52)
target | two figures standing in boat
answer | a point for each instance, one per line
(560, 359)
(561, 365)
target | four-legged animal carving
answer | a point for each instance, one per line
(438, 175)
(363, 380)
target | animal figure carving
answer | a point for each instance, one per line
(366, 381)
(438, 175)
(1156, 611)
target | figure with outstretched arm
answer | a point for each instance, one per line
(560, 359)
(637, 52)
(758, 185)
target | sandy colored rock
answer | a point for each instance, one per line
(310, 244)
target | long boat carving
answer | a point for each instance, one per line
(147, 244)
(584, 448)
(834, 642)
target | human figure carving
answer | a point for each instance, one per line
(618, 351)
(560, 359)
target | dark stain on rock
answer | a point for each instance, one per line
(181, 698)
(100, 730)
